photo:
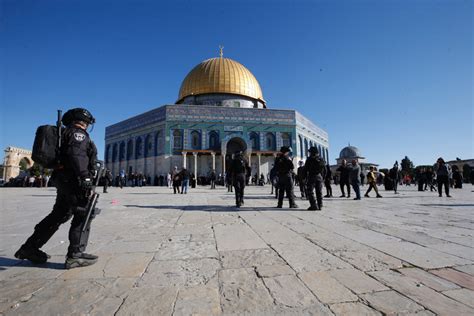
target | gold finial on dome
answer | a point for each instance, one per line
(221, 51)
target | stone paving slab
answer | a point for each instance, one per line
(196, 254)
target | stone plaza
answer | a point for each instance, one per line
(195, 254)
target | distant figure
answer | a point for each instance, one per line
(122, 180)
(169, 180)
(327, 181)
(176, 180)
(443, 171)
(184, 176)
(344, 178)
(394, 176)
(372, 181)
(212, 178)
(107, 180)
(301, 178)
(457, 177)
(239, 171)
(354, 177)
(285, 170)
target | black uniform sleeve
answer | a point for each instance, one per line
(77, 153)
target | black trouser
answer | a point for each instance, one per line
(285, 184)
(395, 185)
(66, 202)
(106, 185)
(327, 184)
(356, 187)
(213, 184)
(421, 185)
(345, 183)
(443, 180)
(315, 183)
(302, 186)
(239, 185)
(176, 186)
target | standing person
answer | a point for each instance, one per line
(238, 172)
(73, 179)
(314, 168)
(31, 180)
(394, 176)
(421, 178)
(176, 179)
(457, 177)
(107, 179)
(121, 179)
(372, 181)
(184, 176)
(327, 181)
(169, 181)
(442, 170)
(285, 171)
(344, 170)
(46, 180)
(274, 180)
(354, 177)
(301, 178)
(212, 178)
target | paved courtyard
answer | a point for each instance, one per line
(165, 254)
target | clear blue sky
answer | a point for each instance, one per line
(391, 77)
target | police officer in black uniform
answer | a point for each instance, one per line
(315, 167)
(107, 180)
(73, 178)
(301, 177)
(285, 170)
(238, 171)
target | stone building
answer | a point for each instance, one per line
(220, 109)
(15, 156)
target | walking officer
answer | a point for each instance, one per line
(315, 168)
(238, 171)
(107, 180)
(73, 178)
(285, 170)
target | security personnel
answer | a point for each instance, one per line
(107, 180)
(73, 179)
(285, 170)
(315, 167)
(239, 171)
(300, 176)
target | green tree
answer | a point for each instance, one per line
(23, 165)
(36, 170)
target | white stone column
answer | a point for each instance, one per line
(213, 154)
(259, 156)
(223, 154)
(195, 164)
(184, 158)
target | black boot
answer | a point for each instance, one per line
(32, 254)
(80, 259)
(313, 208)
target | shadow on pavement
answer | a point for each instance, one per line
(6, 263)
(216, 208)
(450, 205)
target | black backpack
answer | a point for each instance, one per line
(47, 144)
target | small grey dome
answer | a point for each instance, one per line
(349, 152)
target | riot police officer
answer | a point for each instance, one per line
(315, 167)
(73, 178)
(238, 171)
(285, 170)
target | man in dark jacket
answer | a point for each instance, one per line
(285, 170)
(74, 179)
(327, 181)
(344, 178)
(301, 177)
(239, 171)
(315, 168)
(443, 173)
(394, 176)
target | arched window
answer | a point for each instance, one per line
(129, 149)
(306, 148)
(213, 140)
(138, 148)
(122, 151)
(301, 146)
(148, 146)
(286, 139)
(177, 140)
(195, 140)
(254, 141)
(270, 141)
(107, 153)
(114, 153)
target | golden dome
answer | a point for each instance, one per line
(220, 75)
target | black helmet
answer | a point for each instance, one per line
(285, 149)
(313, 150)
(77, 114)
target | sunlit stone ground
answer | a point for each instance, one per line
(166, 254)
